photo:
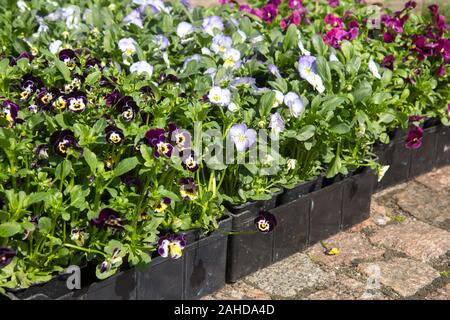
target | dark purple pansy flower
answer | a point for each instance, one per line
(60, 103)
(333, 3)
(154, 136)
(6, 256)
(114, 135)
(269, 12)
(147, 94)
(410, 5)
(189, 160)
(109, 218)
(77, 101)
(69, 58)
(172, 245)
(9, 112)
(42, 152)
(265, 221)
(29, 84)
(127, 108)
(388, 37)
(131, 181)
(44, 99)
(22, 55)
(188, 189)
(334, 36)
(388, 62)
(92, 62)
(414, 138)
(295, 18)
(112, 98)
(333, 21)
(162, 205)
(440, 72)
(62, 141)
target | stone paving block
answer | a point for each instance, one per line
(404, 276)
(425, 204)
(414, 238)
(239, 291)
(440, 294)
(437, 180)
(346, 288)
(291, 276)
(352, 246)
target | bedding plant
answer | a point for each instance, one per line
(125, 124)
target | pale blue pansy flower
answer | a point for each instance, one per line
(221, 43)
(161, 41)
(219, 96)
(141, 67)
(134, 17)
(212, 24)
(307, 71)
(294, 103)
(242, 137)
(231, 58)
(184, 29)
(276, 124)
(54, 46)
(127, 46)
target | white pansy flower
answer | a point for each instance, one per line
(333, 57)
(231, 57)
(22, 5)
(302, 49)
(211, 24)
(295, 104)
(233, 107)
(142, 67)
(279, 98)
(219, 96)
(184, 29)
(206, 51)
(54, 46)
(127, 46)
(221, 43)
(316, 81)
(374, 69)
(290, 98)
(291, 163)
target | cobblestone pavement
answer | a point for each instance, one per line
(401, 252)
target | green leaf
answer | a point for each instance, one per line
(291, 38)
(341, 128)
(63, 70)
(93, 78)
(63, 169)
(306, 133)
(318, 44)
(387, 117)
(266, 103)
(8, 229)
(37, 197)
(45, 224)
(363, 91)
(125, 166)
(91, 160)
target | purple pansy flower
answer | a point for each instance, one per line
(333, 3)
(189, 160)
(265, 222)
(62, 141)
(77, 101)
(172, 245)
(162, 205)
(156, 138)
(414, 138)
(388, 62)
(114, 135)
(109, 218)
(269, 12)
(69, 58)
(127, 108)
(188, 189)
(22, 55)
(333, 21)
(9, 113)
(295, 4)
(242, 137)
(6, 256)
(112, 98)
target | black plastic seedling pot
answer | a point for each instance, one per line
(200, 271)
(310, 218)
(443, 146)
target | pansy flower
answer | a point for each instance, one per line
(189, 161)
(142, 67)
(29, 84)
(60, 103)
(6, 256)
(269, 12)
(374, 69)
(42, 152)
(212, 24)
(231, 58)
(109, 218)
(242, 137)
(276, 124)
(62, 141)
(295, 4)
(44, 99)
(219, 96)
(221, 43)
(127, 46)
(388, 62)
(69, 58)
(127, 108)
(8, 113)
(182, 138)
(333, 21)
(22, 55)
(162, 205)
(156, 138)
(79, 236)
(184, 29)
(77, 101)
(265, 222)
(112, 98)
(188, 189)
(172, 245)
(108, 264)
(74, 85)
(333, 3)
(161, 41)
(307, 71)
(414, 138)
(114, 135)
(294, 103)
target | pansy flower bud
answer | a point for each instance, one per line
(42, 152)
